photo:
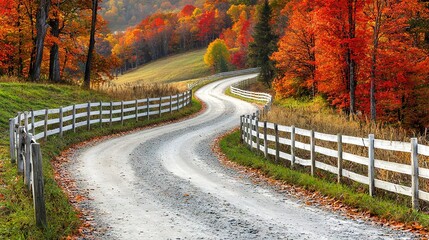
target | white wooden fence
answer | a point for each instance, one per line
(28, 127)
(256, 135)
(257, 96)
(223, 75)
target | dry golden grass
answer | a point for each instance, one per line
(139, 91)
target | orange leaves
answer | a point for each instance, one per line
(330, 45)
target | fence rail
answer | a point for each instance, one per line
(282, 142)
(28, 127)
(257, 96)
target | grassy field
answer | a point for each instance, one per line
(16, 206)
(175, 68)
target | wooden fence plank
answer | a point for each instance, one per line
(340, 158)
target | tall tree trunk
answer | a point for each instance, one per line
(20, 37)
(87, 79)
(351, 61)
(42, 27)
(375, 41)
(54, 61)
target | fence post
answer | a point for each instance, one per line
(147, 108)
(33, 131)
(312, 153)
(111, 113)
(122, 112)
(241, 128)
(101, 114)
(137, 110)
(292, 145)
(276, 130)
(38, 186)
(26, 121)
(340, 157)
(20, 149)
(12, 140)
(46, 124)
(171, 104)
(27, 163)
(371, 170)
(190, 97)
(414, 174)
(249, 131)
(88, 116)
(160, 102)
(61, 121)
(74, 118)
(265, 140)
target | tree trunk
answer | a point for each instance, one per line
(375, 41)
(54, 61)
(20, 37)
(42, 27)
(351, 61)
(87, 79)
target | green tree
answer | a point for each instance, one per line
(217, 56)
(264, 44)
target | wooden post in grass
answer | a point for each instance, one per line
(101, 114)
(27, 163)
(414, 174)
(38, 186)
(276, 130)
(340, 158)
(122, 112)
(265, 140)
(371, 169)
(61, 121)
(257, 135)
(241, 128)
(312, 152)
(12, 140)
(159, 107)
(88, 116)
(26, 121)
(171, 104)
(111, 113)
(33, 131)
(190, 97)
(74, 118)
(147, 108)
(177, 100)
(46, 124)
(292, 145)
(137, 110)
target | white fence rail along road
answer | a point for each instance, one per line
(28, 127)
(283, 142)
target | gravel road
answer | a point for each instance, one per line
(166, 183)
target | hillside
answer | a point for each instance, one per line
(175, 68)
(125, 13)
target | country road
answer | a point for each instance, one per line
(166, 183)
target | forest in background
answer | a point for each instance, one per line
(366, 58)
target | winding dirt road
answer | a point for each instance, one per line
(166, 183)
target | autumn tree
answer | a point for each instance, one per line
(295, 58)
(263, 45)
(217, 56)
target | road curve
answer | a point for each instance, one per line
(166, 183)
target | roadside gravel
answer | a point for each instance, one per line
(166, 183)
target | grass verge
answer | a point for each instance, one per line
(16, 205)
(384, 208)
